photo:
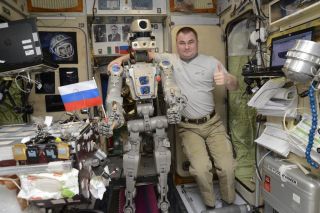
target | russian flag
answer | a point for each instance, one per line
(80, 95)
(124, 49)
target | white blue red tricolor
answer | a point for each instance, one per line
(80, 95)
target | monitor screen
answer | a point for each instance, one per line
(281, 45)
(19, 44)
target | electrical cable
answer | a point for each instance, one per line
(263, 14)
(27, 79)
(257, 7)
(314, 126)
(93, 11)
(256, 151)
(263, 157)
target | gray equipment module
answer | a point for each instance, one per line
(289, 190)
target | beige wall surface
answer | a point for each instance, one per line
(84, 70)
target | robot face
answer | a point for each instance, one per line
(141, 35)
(61, 46)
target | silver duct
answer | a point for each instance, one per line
(303, 61)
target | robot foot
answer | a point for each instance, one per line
(164, 206)
(128, 209)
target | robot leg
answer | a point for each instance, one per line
(130, 167)
(162, 156)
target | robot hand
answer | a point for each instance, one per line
(113, 121)
(176, 104)
(105, 128)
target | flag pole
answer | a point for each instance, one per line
(103, 110)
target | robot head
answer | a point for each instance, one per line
(141, 25)
(141, 37)
(61, 46)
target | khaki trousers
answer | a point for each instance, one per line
(199, 139)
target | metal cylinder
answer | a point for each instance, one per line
(303, 61)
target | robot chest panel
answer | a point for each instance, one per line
(142, 81)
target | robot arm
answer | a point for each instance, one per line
(114, 101)
(172, 94)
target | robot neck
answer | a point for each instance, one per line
(140, 56)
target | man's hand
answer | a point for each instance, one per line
(219, 76)
(117, 61)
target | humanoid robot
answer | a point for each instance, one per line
(142, 77)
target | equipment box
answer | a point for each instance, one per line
(287, 189)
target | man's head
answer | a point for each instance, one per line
(114, 29)
(187, 43)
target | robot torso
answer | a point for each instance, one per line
(140, 78)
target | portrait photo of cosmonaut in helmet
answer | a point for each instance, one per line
(61, 46)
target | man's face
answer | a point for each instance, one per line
(187, 45)
(114, 30)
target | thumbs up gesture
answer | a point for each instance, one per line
(219, 76)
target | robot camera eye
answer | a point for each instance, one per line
(143, 24)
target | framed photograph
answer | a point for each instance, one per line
(55, 6)
(68, 75)
(109, 4)
(100, 33)
(197, 6)
(60, 47)
(125, 32)
(114, 33)
(142, 4)
(47, 81)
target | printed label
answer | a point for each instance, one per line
(277, 172)
(38, 50)
(35, 36)
(29, 52)
(27, 41)
(27, 47)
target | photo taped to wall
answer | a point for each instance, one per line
(60, 47)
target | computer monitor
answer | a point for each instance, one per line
(21, 49)
(280, 46)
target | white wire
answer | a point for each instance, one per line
(27, 79)
(265, 155)
(17, 84)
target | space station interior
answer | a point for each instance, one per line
(171, 106)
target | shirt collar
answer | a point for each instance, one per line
(189, 60)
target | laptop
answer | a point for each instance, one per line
(20, 48)
(282, 44)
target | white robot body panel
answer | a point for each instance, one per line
(115, 84)
(171, 90)
(141, 81)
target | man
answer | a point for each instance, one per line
(114, 36)
(201, 130)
